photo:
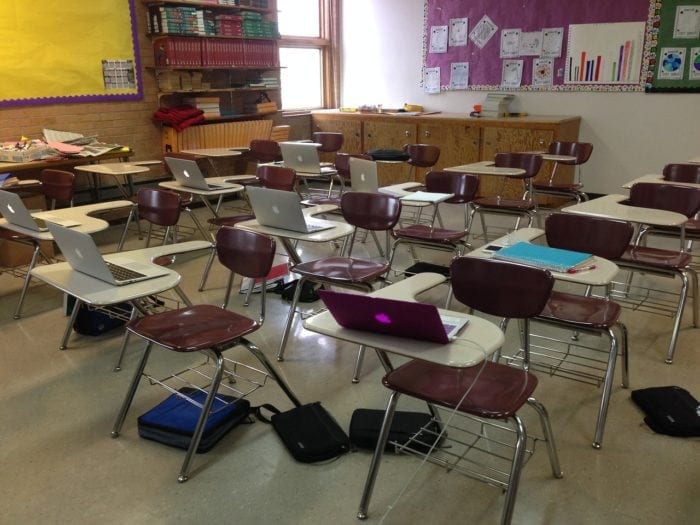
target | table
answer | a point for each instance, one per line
(94, 292)
(81, 214)
(479, 340)
(63, 162)
(205, 194)
(657, 178)
(612, 207)
(695, 160)
(288, 237)
(486, 167)
(215, 152)
(121, 172)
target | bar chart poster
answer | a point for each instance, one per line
(604, 53)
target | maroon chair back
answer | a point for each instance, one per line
(342, 163)
(370, 211)
(463, 185)
(500, 288)
(264, 150)
(581, 150)
(276, 177)
(607, 238)
(422, 155)
(682, 172)
(530, 162)
(57, 184)
(244, 252)
(330, 142)
(160, 207)
(679, 199)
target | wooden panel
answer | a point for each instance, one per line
(351, 130)
(219, 135)
(458, 143)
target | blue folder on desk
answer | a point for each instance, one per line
(554, 259)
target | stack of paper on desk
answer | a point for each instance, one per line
(554, 259)
(426, 196)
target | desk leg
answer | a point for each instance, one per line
(205, 233)
(182, 296)
(291, 251)
(27, 279)
(69, 327)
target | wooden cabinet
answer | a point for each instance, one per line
(461, 139)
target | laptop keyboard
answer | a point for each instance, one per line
(123, 274)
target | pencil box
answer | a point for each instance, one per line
(415, 427)
(172, 422)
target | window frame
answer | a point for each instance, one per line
(328, 43)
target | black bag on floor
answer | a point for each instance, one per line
(309, 432)
(90, 321)
(172, 422)
(388, 154)
(366, 424)
(670, 410)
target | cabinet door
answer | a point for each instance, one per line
(503, 140)
(350, 128)
(458, 143)
(389, 135)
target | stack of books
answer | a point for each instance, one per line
(210, 105)
(229, 25)
(554, 259)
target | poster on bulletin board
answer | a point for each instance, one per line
(69, 51)
(549, 45)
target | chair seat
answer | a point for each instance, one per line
(230, 220)
(656, 257)
(497, 391)
(587, 312)
(193, 328)
(342, 269)
(499, 203)
(426, 233)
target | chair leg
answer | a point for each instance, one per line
(131, 391)
(207, 269)
(548, 435)
(249, 293)
(625, 354)
(229, 285)
(515, 469)
(27, 280)
(377, 457)
(607, 390)
(683, 296)
(358, 364)
(70, 324)
(290, 318)
(271, 370)
(125, 342)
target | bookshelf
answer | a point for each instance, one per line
(218, 55)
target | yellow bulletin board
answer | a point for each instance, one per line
(68, 51)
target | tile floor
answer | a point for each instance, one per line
(61, 466)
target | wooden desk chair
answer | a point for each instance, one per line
(526, 205)
(685, 173)
(210, 330)
(486, 392)
(368, 211)
(57, 186)
(573, 190)
(605, 238)
(668, 263)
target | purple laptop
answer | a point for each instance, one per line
(407, 319)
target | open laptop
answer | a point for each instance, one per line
(303, 158)
(363, 175)
(14, 210)
(82, 254)
(282, 209)
(407, 319)
(188, 174)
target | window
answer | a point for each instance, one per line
(309, 53)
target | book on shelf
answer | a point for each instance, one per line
(554, 259)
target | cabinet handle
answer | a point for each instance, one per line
(541, 142)
(426, 133)
(407, 133)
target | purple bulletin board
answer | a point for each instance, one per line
(485, 64)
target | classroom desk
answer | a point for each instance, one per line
(81, 214)
(486, 167)
(94, 292)
(657, 178)
(63, 162)
(479, 340)
(694, 160)
(216, 152)
(121, 172)
(205, 194)
(602, 275)
(288, 237)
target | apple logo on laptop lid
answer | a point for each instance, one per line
(382, 318)
(78, 253)
(275, 210)
(10, 208)
(300, 158)
(186, 173)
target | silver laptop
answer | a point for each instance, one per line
(82, 254)
(303, 158)
(363, 175)
(14, 210)
(282, 209)
(188, 174)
